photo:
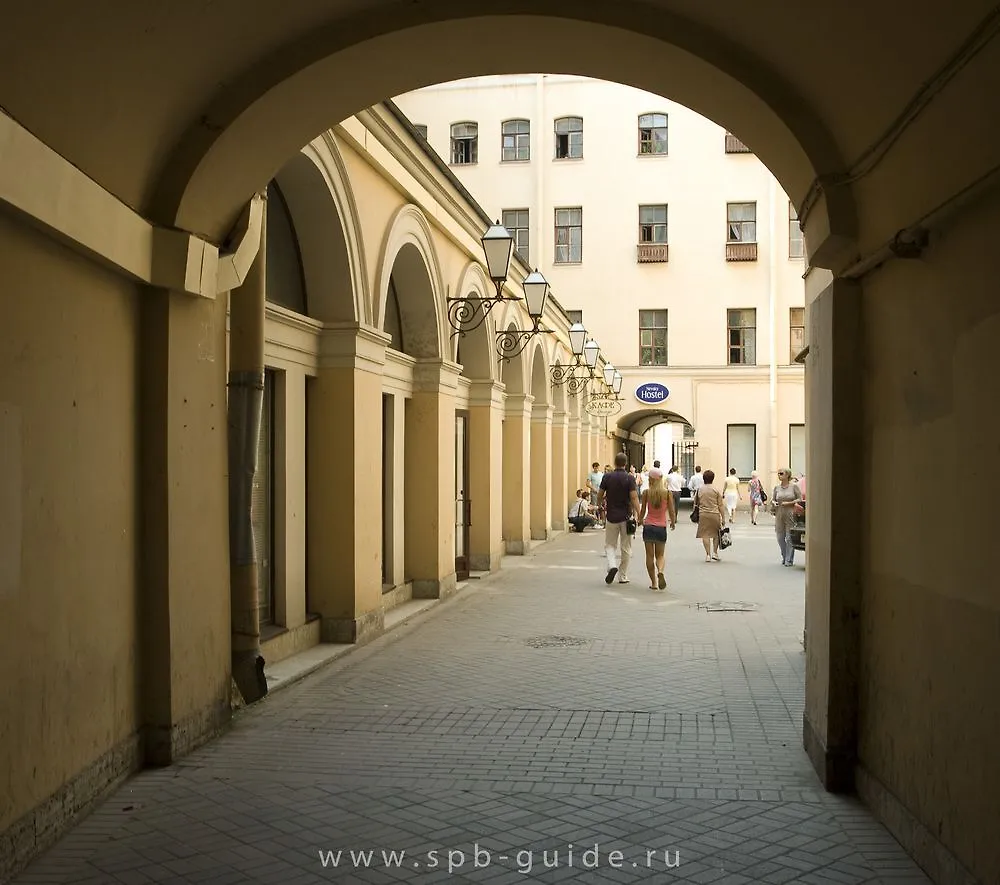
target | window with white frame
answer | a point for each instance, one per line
(652, 134)
(742, 222)
(741, 448)
(652, 337)
(653, 224)
(569, 138)
(742, 335)
(464, 144)
(569, 236)
(796, 332)
(516, 135)
(795, 246)
(516, 221)
(797, 449)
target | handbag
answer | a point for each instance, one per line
(763, 495)
(725, 538)
(630, 525)
(695, 511)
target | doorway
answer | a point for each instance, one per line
(462, 504)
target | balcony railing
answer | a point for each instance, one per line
(651, 253)
(741, 251)
(735, 146)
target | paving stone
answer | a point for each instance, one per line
(667, 728)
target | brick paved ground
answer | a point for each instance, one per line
(654, 725)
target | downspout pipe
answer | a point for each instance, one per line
(246, 399)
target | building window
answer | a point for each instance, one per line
(796, 332)
(794, 233)
(742, 331)
(569, 138)
(742, 448)
(516, 141)
(569, 236)
(464, 144)
(285, 282)
(421, 129)
(516, 221)
(652, 337)
(653, 224)
(575, 316)
(742, 222)
(652, 134)
(735, 146)
(797, 449)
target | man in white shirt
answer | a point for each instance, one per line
(579, 514)
(675, 482)
(696, 481)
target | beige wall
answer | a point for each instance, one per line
(930, 618)
(69, 523)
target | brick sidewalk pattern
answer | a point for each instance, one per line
(538, 709)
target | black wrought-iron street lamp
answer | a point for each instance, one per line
(468, 313)
(512, 341)
(585, 354)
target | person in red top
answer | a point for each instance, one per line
(658, 508)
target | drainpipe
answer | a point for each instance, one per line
(772, 297)
(246, 398)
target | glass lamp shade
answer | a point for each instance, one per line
(577, 335)
(609, 374)
(498, 245)
(536, 287)
(617, 385)
(590, 353)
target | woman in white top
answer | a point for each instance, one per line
(731, 493)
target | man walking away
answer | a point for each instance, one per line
(696, 481)
(674, 483)
(620, 499)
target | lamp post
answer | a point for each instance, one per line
(468, 313)
(512, 341)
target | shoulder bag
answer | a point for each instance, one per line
(695, 511)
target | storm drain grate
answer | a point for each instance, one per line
(729, 606)
(555, 641)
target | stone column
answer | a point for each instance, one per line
(344, 474)
(516, 485)
(393, 494)
(541, 471)
(833, 568)
(575, 468)
(486, 414)
(430, 479)
(185, 613)
(561, 493)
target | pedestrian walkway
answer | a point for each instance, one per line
(540, 717)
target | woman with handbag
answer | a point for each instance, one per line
(786, 497)
(757, 496)
(711, 506)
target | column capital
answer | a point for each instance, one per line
(486, 393)
(560, 418)
(541, 413)
(518, 404)
(352, 346)
(573, 422)
(436, 375)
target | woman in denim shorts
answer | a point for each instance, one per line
(657, 508)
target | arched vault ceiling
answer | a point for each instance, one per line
(182, 108)
(641, 420)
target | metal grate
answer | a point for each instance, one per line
(729, 606)
(555, 641)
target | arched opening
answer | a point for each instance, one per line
(639, 434)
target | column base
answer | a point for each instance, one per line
(485, 562)
(919, 842)
(357, 631)
(442, 589)
(41, 827)
(541, 534)
(834, 765)
(518, 548)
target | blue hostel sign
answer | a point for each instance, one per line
(652, 393)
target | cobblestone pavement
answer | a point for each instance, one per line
(540, 711)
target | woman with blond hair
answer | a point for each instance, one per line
(657, 507)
